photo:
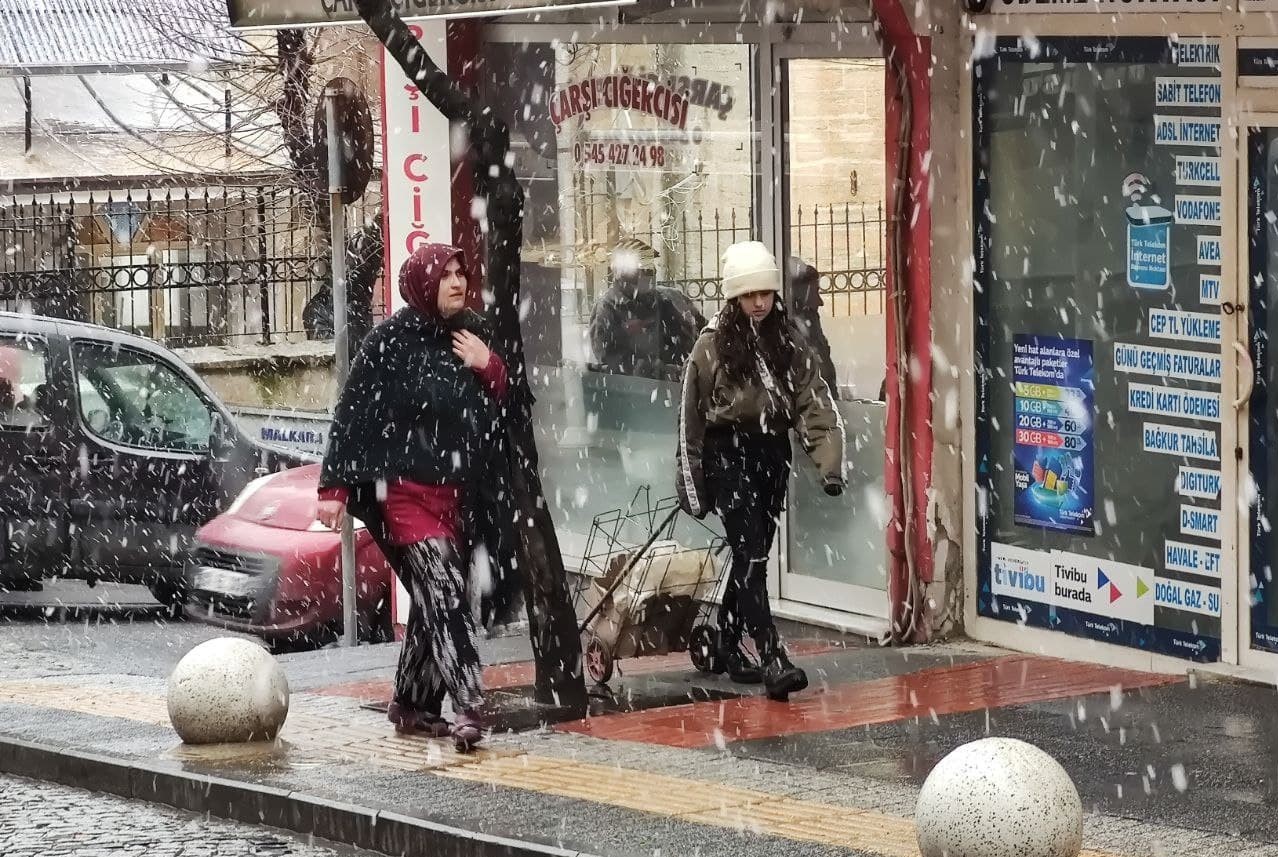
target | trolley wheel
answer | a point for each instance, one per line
(703, 643)
(598, 661)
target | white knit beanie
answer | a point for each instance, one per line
(749, 266)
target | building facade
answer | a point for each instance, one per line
(678, 131)
(1074, 336)
(147, 178)
(1117, 175)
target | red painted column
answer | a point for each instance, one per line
(914, 55)
(463, 67)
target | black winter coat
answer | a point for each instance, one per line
(411, 410)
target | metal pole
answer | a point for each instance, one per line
(337, 245)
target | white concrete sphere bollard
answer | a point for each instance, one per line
(999, 797)
(227, 690)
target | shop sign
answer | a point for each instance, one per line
(1198, 210)
(1196, 53)
(670, 100)
(1100, 588)
(1187, 92)
(1167, 362)
(1149, 247)
(1201, 523)
(1188, 597)
(415, 152)
(1184, 326)
(1173, 402)
(1186, 131)
(1193, 171)
(1180, 441)
(1198, 482)
(1209, 252)
(1189, 558)
(416, 182)
(1110, 7)
(267, 14)
(1053, 450)
(1209, 289)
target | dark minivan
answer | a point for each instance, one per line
(113, 453)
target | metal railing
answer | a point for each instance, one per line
(185, 266)
(238, 265)
(845, 242)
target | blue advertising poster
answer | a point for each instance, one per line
(1053, 450)
(1148, 247)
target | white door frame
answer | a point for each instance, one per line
(791, 586)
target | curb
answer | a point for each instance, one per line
(250, 803)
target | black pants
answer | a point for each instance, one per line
(440, 654)
(746, 474)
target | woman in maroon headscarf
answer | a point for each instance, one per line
(413, 446)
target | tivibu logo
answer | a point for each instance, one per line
(1103, 581)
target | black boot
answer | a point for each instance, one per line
(780, 677)
(736, 663)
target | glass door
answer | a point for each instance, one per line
(833, 192)
(1258, 614)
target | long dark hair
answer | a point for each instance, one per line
(737, 340)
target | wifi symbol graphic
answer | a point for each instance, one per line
(1136, 186)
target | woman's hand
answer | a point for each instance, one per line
(470, 349)
(330, 513)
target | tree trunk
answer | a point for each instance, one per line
(553, 623)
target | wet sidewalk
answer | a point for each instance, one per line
(679, 763)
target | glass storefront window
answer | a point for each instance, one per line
(1098, 210)
(640, 165)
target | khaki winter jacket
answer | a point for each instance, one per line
(711, 400)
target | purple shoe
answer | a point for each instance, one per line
(467, 731)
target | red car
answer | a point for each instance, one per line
(266, 566)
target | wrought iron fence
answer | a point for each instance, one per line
(846, 243)
(228, 265)
(206, 266)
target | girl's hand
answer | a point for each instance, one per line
(470, 349)
(331, 513)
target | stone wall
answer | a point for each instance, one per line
(278, 377)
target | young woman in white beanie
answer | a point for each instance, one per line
(749, 380)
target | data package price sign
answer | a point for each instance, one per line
(1054, 461)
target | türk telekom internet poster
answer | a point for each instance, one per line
(1054, 453)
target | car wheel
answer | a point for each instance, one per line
(171, 594)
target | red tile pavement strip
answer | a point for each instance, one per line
(1004, 681)
(522, 673)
